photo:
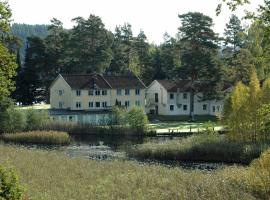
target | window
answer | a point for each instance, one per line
(218, 108)
(137, 91)
(119, 91)
(156, 97)
(97, 104)
(137, 103)
(97, 92)
(204, 106)
(127, 92)
(171, 107)
(214, 109)
(184, 95)
(78, 104)
(104, 92)
(184, 107)
(119, 103)
(70, 118)
(78, 92)
(91, 104)
(104, 104)
(60, 92)
(91, 92)
(61, 104)
(171, 96)
(127, 103)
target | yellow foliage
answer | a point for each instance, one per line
(266, 91)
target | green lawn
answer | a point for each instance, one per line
(162, 127)
(37, 106)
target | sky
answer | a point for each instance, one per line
(154, 17)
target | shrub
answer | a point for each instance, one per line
(10, 189)
(36, 119)
(118, 116)
(137, 119)
(12, 120)
(38, 137)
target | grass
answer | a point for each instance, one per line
(185, 118)
(36, 107)
(204, 147)
(163, 127)
(38, 137)
(54, 176)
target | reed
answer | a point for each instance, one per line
(204, 147)
(38, 137)
(54, 176)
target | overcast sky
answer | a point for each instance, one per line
(154, 17)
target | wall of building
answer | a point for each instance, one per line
(55, 98)
(179, 102)
(85, 98)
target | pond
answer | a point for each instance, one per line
(100, 147)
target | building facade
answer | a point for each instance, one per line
(164, 97)
(93, 94)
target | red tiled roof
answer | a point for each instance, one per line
(92, 81)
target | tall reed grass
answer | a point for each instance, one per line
(38, 137)
(54, 176)
(204, 147)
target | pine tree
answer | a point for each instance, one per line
(234, 33)
(199, 52)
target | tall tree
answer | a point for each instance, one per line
(125, 57)
(199, 52)
(31, 88)
(234, 33)
(7, 60)
(89, 45)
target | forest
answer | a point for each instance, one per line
(196, 52)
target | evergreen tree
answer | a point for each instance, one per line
(234, 33)
(89, 47)
(199, 52)
(31, 88)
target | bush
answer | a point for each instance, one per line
(10, 189)
(38, 137)
(118, 116)
(12, 120)
(36, 119)
(137, 119)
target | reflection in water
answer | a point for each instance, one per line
(112, 147)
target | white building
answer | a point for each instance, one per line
(165, 97)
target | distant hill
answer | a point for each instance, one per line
(26, 30)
